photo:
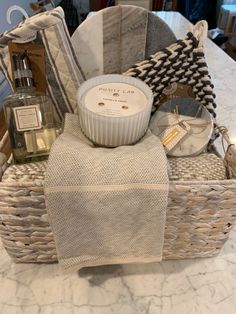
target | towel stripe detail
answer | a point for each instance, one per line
(107, 188)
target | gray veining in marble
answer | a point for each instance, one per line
(124, 37)
(89, 46)
(157, 40)
(113, 40)
(199, 286)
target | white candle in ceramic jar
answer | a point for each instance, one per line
(114, 110)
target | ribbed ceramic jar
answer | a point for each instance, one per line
(114, 109)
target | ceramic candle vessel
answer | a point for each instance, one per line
(114, 110)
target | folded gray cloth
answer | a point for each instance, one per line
(106, 206)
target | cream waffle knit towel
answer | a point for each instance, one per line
(106, 206)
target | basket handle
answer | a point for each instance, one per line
(199, 30)
(230, 152)
(3, 157)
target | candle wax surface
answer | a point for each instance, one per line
(115, 100)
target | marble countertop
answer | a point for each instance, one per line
(170, 287)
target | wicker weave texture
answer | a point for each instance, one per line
(198, 168)
(199, 217)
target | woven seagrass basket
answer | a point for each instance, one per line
(200, 216)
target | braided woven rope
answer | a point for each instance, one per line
(182, 62)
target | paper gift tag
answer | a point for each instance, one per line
(171, 136)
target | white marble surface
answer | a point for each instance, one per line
(90, 52)
(114, 39)
(199, 286)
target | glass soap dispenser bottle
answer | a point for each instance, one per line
(29, 116)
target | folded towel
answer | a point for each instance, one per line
(63, 72)
(106, 206)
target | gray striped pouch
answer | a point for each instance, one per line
(63, 72)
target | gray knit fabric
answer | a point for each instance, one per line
(106, 206)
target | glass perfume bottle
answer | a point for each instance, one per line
(29, 116)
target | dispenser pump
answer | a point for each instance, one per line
(22, 70)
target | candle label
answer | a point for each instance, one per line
(115, 99)
(171, 136)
